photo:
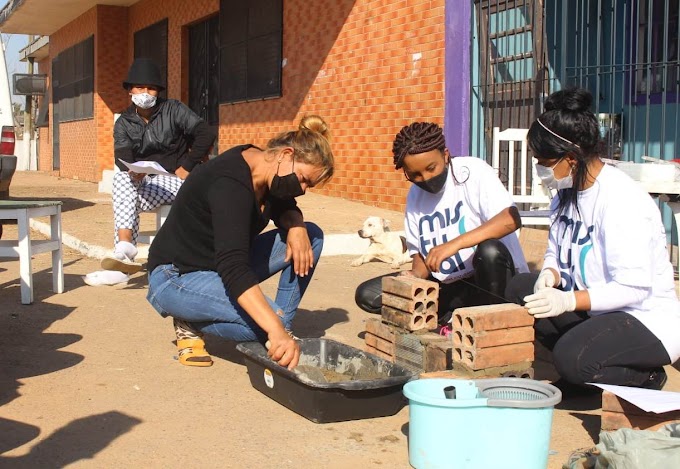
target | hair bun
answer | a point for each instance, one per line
(570, 99)
(315, 123)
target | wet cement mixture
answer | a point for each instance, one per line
(320, 374)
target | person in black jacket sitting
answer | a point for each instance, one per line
(150, 129)
(208, 259)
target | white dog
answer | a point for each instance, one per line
(385, 246)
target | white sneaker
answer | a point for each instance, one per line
(106, 277)
(120, 262)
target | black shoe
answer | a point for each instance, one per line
(657, 379)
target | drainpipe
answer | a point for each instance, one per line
(28, 118)
(457, 51)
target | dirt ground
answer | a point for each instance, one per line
(89, 378)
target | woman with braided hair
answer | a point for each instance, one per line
(605, 299)
(460, 225)
(209, 257)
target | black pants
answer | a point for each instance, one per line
(612, 348)
(493, 267)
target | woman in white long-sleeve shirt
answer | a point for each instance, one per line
(605, 299)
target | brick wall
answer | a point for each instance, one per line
(111, 59)
(45, 133)
(78, 138)
(180, 14)
(78, 158)
(368, 67)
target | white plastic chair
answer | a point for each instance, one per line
(536, 196)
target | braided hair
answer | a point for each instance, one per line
(416, 138)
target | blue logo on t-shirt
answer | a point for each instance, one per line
(432, 230)
(575, 240)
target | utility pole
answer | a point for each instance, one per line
(28, 116)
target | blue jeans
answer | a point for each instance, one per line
(201, 299)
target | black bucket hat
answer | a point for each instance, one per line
(144, 71)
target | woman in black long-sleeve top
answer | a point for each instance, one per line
(209, 257)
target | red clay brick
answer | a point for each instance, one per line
(491, 317)
(409, 305)
(610, 421)
(379, 353)
(376, 327)
(493, 338)
(380, 344)
(407, 321)
(477, 359)
(411, 288)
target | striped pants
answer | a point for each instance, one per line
(130, 198)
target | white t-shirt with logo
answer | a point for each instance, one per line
(617, 235)
(474, 197)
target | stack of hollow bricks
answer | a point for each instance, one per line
(409, 312)
(492, 340)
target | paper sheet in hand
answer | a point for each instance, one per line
(648, 400)
(146, 167)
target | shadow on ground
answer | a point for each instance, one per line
(314, 324)
(591, 424)
(42, 282)
(80, 439)
(27, 350)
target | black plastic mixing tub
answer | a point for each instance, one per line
(373, 388)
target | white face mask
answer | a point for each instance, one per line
(144, 100)
(547, 176)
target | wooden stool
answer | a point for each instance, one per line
(24, 248)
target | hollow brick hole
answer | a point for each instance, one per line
(469, 340)
(469, 323)
(457, 338)
(458, 321)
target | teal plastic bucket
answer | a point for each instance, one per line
(491, 423)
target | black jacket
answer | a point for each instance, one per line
(175, 136)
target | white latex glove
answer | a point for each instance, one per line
(546, 279)
(550, 302)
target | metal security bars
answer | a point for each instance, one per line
(624, 51)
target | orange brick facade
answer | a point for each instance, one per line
(368, 67)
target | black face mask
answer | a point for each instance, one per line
(435, 184)
(285, 187)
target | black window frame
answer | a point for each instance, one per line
(251, 50)
(74, 73)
